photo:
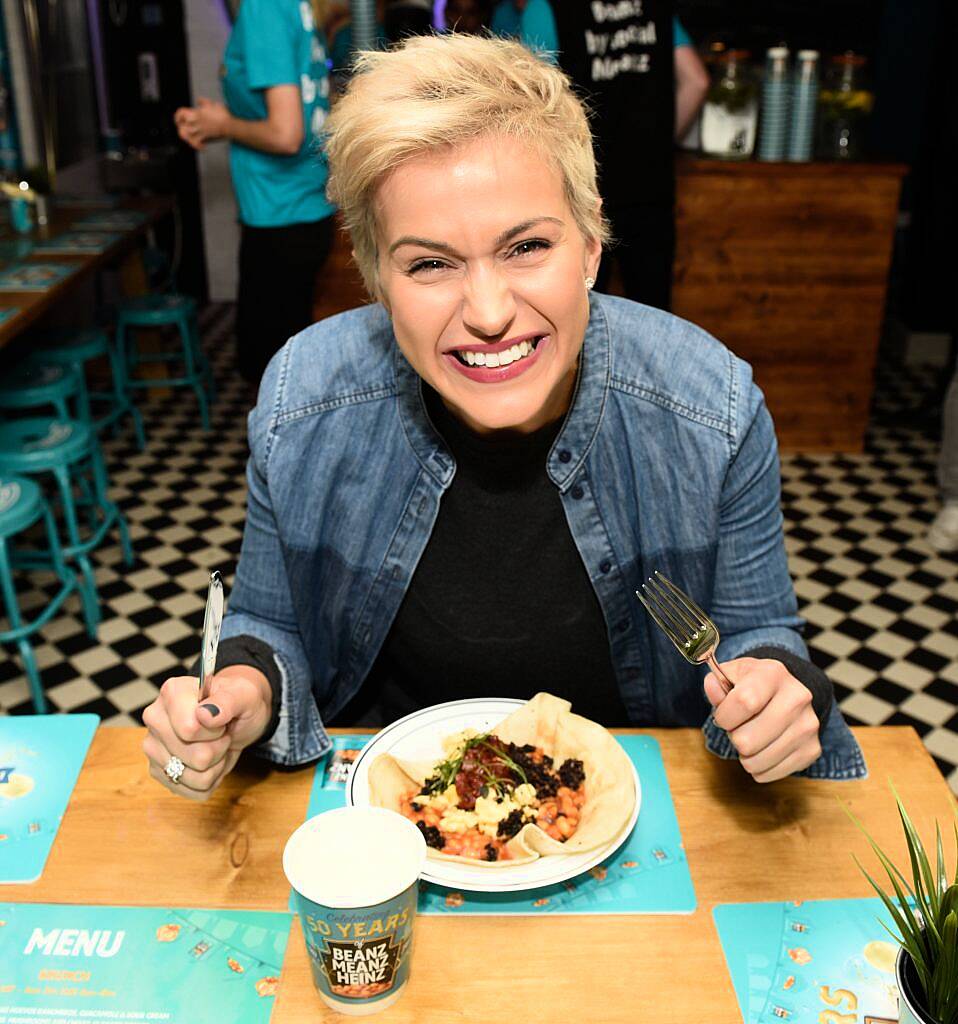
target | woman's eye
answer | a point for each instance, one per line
(529, 246)
(426, 266)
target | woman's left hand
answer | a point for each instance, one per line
(768, 717)
(207, 121)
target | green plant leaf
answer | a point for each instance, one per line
(921, 869)
(942, 879)
(956, 848)
(881, 855)
(911, 935)
(942, 990)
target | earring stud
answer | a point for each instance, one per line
(589, 282)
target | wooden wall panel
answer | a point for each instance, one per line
(788, 265)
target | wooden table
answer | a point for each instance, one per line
(125, 840)
(788, 265)
(31, 305)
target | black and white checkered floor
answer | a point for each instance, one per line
(880, 603)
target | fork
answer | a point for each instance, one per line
(684, 623)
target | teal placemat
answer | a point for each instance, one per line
(110, 220)
(648, 874)
(105, 964)
(77, 242)
(813, 962)
(34, 277)
(6, 312)
(40, 759)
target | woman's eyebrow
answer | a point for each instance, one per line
(429, 243)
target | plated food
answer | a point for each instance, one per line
(543, 782)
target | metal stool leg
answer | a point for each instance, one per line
(118, 369)
(109, 508)
(192, 370)
(66, 576)
(23, 645)
(83, 395)
(88, 584)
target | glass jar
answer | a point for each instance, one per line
(730, 113)
(844, 103)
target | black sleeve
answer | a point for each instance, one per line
(807, 674)
(247, 650)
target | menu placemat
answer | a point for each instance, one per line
(40, 759)
(33, 277)
(105, 964)
(110, 220)
(71, 243)
(812, 962)
(648, 874)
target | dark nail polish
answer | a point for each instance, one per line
(211, 708)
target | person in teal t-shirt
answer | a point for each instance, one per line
(276, 88)
(532, 23)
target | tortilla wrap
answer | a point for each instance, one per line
(548, 723)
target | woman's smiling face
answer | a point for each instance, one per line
(482, 268)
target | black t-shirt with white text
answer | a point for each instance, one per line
(619, 55)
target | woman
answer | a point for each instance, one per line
(276, 86)
(456, 491)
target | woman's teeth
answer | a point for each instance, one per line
(503, 358)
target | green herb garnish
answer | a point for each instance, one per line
(446, 771)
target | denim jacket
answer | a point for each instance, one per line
(666, 460)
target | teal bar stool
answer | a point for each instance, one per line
(30, 385)
(22, 505)
(74, 347)
(173, 311)
(68, 451)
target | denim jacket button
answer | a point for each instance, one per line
(605, 566)
(577, 492)
(565, 455)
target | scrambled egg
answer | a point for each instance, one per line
(489, 810)
(449, 797)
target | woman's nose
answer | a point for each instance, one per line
(488, 306)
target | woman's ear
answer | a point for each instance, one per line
(593, 258)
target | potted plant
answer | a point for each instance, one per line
(925, 911)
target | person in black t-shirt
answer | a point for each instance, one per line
(635, 65)
(621, 57)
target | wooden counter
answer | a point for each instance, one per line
(788, 265)
(31, 305)
(126, 840)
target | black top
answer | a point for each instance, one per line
(500, 603)
(619, 55)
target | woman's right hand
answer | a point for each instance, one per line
(209, 738)
(185, 121)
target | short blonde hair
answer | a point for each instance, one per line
(436, 92)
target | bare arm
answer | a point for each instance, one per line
(281, 131)
(691, 85)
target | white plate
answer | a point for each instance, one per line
(419, 737)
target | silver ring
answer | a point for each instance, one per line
(174, 770)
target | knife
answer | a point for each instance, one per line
(212, 624)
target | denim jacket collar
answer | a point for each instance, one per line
(578, 432)
(425, 442)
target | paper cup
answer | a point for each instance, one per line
(355, 878)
